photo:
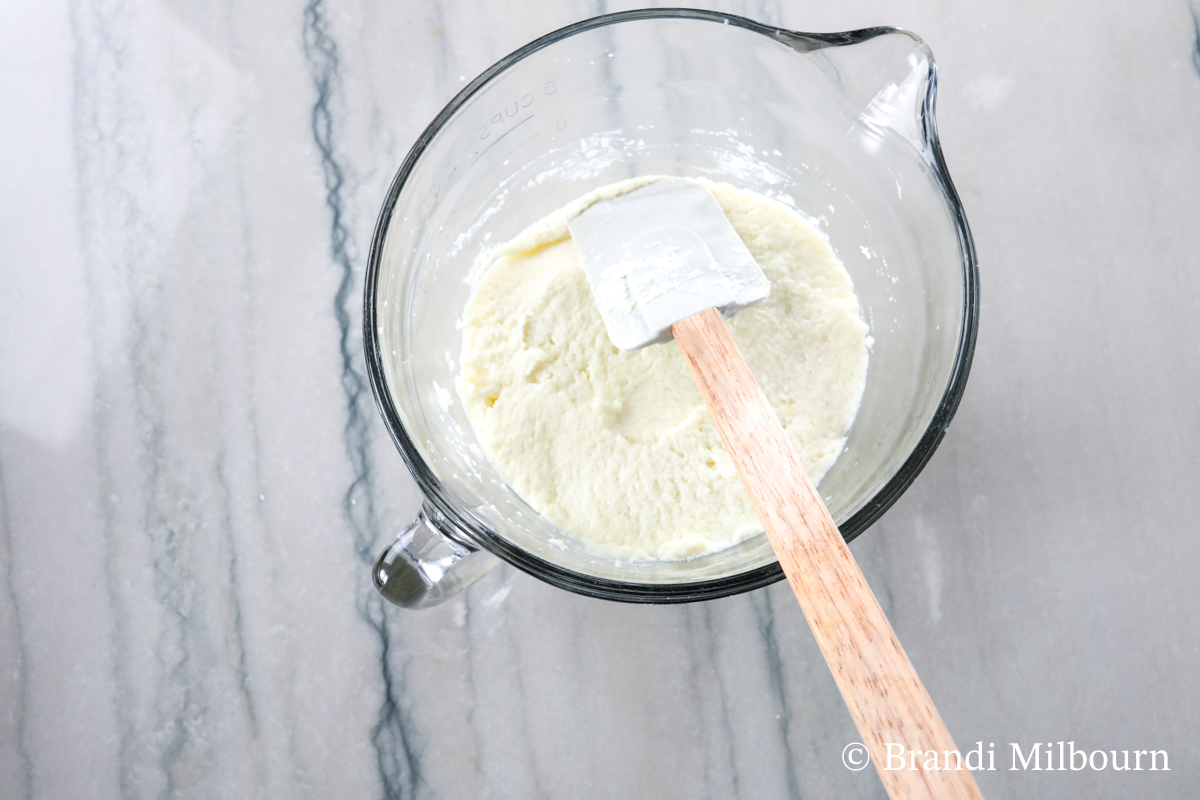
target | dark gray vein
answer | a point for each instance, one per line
(167, 532)
(22, 708)
(441, 54)
(165, 518)
(89, 128)
(726, 725)
(168, 517)
(765, 615)
(322, 54)
(519, 726)
(471, 689)
(247, 332)
(399, 769)
(708, 653)
(234, 573)
(1196, 35)
(119, 636)
(539, 790)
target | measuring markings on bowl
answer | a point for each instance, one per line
(511, 110)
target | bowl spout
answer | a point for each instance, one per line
(888, 78)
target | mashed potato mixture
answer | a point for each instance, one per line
(617, 448)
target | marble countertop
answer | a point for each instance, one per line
(185, 606)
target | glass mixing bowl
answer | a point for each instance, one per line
(839, 125)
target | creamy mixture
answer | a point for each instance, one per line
(617, 447)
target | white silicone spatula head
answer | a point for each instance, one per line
(660, 253)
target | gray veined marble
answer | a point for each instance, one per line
(193, 480)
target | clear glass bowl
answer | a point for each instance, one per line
(840, 125)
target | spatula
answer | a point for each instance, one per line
(663, 261)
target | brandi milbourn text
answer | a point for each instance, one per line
(1057, 756)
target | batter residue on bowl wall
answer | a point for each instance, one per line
(617, 448)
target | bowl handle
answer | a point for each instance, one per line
(429, 562)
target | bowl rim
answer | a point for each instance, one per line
(476, 531)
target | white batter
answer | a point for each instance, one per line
(617, 448)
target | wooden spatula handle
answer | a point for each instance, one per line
(885, 696)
